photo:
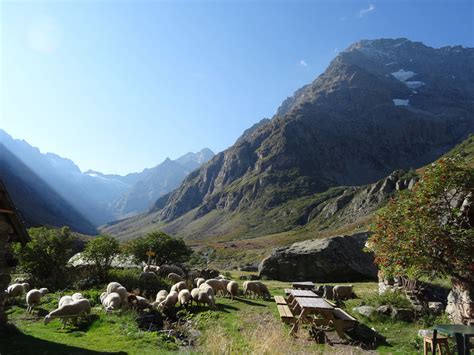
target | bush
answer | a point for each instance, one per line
(128, 278)
(46, 256)
(394, 299)
(100, 252)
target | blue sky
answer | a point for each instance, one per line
(118, 86)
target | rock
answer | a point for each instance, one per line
(334, 259)
(366, 311)
(385, 310)
(425, 332)
(249, 267)
(403, 314)
(460, 307)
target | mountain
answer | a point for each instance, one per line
(381, 105)
(37, 202)
(153, 183)
(101, 198)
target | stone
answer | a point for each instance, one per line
(425, 333)
(385, 310)
(460, 307)
(436, 307)
(333, 259)
(366, 311)
(403, 314)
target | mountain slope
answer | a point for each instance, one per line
(381, 105)
(37, 202)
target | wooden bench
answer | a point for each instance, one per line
(343, 321)
(343, 315)
(279, 299)
(285, 313)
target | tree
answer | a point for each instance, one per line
(168, 250)
(101, 251)
(428, 231)
(46, 255)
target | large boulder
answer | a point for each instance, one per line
(333, 259)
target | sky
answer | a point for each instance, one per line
(118, 86)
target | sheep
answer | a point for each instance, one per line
(69, 311)
(102, 297)
(65, 300)
(198, 281)
(184, 297)
(33, 298)
(217, 285)
(44, 291)
(170, 301)
(164, 270)
(203, 297)
(194, 295)
(161, 295)
(175, 277)
(122, 291)
(342, 292)
(151, 268)
(233, 289)
(328, 292)
(77, 296)
(178, 286)
(112, 287)
(263, 290)
(17, 290)
(222, 277)
(141, 302)
(256, 288)
(112, 301)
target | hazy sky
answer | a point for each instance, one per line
(118, 86)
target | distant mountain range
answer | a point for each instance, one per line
(381, 105)
(98, 198)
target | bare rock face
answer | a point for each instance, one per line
(334, 259)
(460, 307)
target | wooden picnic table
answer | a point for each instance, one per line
(300, 293)
(307, 285)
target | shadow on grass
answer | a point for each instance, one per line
(13, 341)
(84, 324)
(250, 303)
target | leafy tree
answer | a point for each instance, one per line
(168, 250)
(46, 255)
(428, 231)
(101, 251)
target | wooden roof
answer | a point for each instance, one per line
(8, 209)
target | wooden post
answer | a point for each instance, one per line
(150, 253)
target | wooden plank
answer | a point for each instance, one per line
(284, 311)
(3, 210)
(303, 293)
(279, 300)
(313, 303)
(287, 291)
(303, 285)
(343, 315)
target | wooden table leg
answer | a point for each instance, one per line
(294, 329)
(460, 343)
(435, 333)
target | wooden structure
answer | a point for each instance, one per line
(440, 342)
(306, 307)
(12, 229)
(308, 285)
(462, 334)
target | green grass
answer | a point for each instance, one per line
(237, 326)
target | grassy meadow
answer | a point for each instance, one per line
(237, 326)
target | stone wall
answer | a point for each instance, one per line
(6, 260)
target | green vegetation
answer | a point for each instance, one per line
(46, 256)
(168, 250)
(101, 251)
(424, 232)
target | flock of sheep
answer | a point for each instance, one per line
(203, 292)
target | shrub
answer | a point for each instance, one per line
(128, 278)
(394, 299)
(46, 256)
(100, 252)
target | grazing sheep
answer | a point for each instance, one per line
(263, 290)
(342, 292)
(328, 292)
(184, 297)
(161, 295)
(179, 286)
(250, 288)
(194, 295)
(141, 302)
(69, 311)
(112, 301)
(164, 270)
(175, 277)
(77, 296)
(170, 301)
(198, 281)
(233, 289)
(44, 290)
(65, 300)
(217, 285)
(33, 298)
(222, 277)
(112, 287)
(102, 297)
(151, 268)
(203, 297)
(17, 290)
(122, 291)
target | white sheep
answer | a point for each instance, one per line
(16, 290)
(44, 290)
(256, 288)
(194, 294)
(65, 300)
(184, 297)
(142, 302)
(112, 287)
(161, 295)
(112, 301)
(203, 297)
(233, 289)
(217, 285)
(170, 301)
(177, 287)
(69, 311)
(102, 297)
(198, 281)
(33, 298)
(175, 277)
(343, 292)
(77, 296)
